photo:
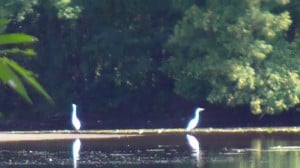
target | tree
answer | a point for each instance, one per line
(108, 63)
(235, 53)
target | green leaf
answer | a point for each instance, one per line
(27, 52)
(29, 78)
(16, 38)
(9, 77)
(4, 22)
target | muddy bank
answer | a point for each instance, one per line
(123, 133)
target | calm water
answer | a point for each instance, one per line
(160, 151)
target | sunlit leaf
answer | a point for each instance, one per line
(16, 38)
(27, 52)
(9, 77)
(29, 78)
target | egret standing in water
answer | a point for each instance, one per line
(75, 120)
(193, 122)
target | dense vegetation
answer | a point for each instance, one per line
(241, 54)
(148, 58)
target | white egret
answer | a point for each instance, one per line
(75, 120)
(193, 122)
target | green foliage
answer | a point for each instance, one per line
(29, 77)
(67, 10)
(16, 9)
(108, 55)
(16, 38)
(17, 51)
(14, 44)
(8, 76)
(11, 71)
(235, 53)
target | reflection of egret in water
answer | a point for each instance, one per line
(76, 149)
(195, 146)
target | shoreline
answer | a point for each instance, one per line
(7, 136)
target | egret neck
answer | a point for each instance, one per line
(75, 120)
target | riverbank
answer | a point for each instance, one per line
(123, 133)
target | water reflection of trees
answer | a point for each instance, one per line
(271, 153)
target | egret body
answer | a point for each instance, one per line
(193, 122)
(75, 120)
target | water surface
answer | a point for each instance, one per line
(214, 150)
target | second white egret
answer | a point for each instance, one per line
(193, 122)
(75, 120)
